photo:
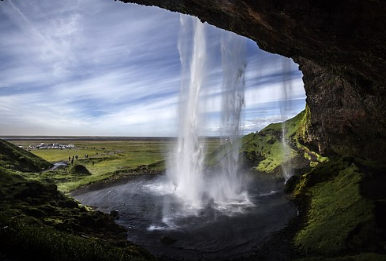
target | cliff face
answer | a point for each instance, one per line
(341, 49)
(346, 118)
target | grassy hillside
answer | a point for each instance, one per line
(37, 222)
(265, 152)
(16, 158)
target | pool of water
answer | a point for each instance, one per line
(166, 226)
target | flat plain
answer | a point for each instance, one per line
(105, 158)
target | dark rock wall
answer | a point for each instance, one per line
(346, 119)
(341, 49)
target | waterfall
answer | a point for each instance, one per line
(233, 51)
(285, 107)
(186, 168)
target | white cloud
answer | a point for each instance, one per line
(94, 67)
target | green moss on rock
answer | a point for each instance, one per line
(340, 219)
(78, 169)
(40, 223)
(37, 242)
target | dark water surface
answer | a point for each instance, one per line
(161, 223)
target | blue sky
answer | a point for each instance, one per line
(101, 67)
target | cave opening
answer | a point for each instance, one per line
(88, 79)
(111, 69)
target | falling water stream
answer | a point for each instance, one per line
(186, 166)
(222, 188)
(191, 213)
(285, 107)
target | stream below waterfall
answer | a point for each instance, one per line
(153, 218)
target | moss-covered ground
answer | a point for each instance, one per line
(342, 222)
(37, 222)
(37, 242)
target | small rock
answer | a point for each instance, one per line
(114, 214)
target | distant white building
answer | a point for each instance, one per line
(51, 146)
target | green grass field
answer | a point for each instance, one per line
(125, 153)
(106, 158)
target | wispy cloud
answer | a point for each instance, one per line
(95, 67)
